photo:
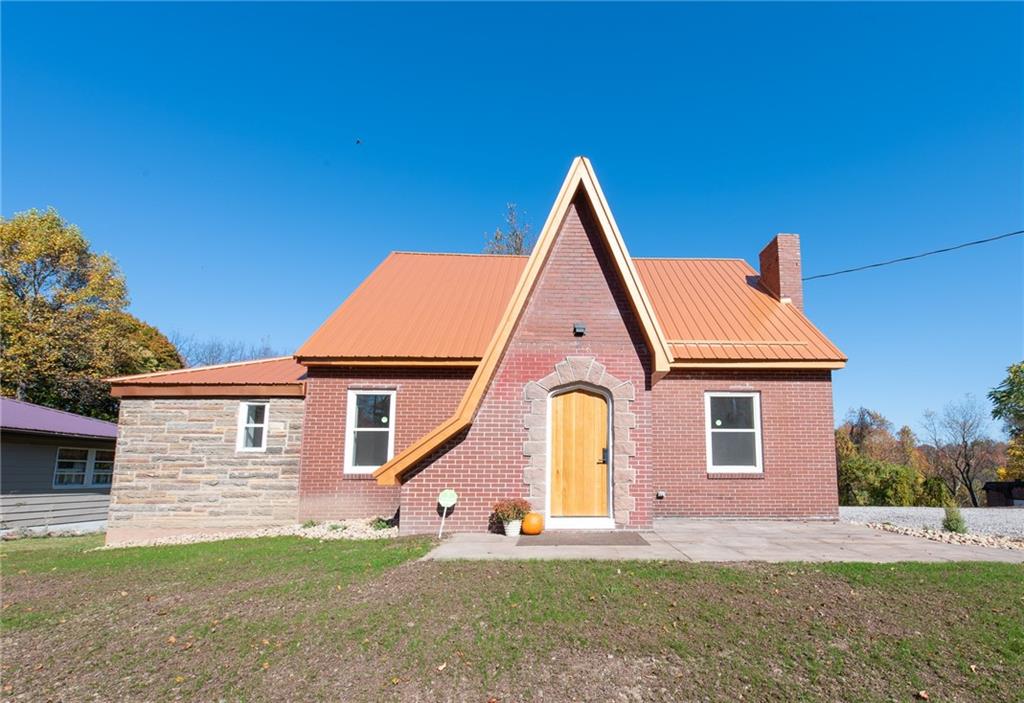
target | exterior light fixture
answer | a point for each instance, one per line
(579, 329)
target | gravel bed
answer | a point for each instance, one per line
(330, 530)
(1008, 522)
(992, 541)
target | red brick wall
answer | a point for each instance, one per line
(799, 478)
(578, 284)
(780, 268)
(424, 398)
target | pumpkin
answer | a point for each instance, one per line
(533, 524)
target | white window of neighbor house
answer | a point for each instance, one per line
(733, 422)
(77, 467)
(252, 426)
(369, 432)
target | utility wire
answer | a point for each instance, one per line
(916, 256)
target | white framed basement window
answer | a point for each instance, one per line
(253, 416)
(369, 430)
(733, 426)
(78, 467)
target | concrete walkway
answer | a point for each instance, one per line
(735, 540)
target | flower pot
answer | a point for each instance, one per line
(512, 528)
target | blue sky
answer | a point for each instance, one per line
(211, 149)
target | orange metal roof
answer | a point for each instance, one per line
(714, 309)
(437, 306)
(277, 371)
(447, 306)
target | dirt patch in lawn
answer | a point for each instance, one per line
(294, 620)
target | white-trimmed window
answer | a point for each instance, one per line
(369, 430)
(252, 425)
(733, 423)
(77, 467)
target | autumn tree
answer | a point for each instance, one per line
(871, 434)
(515, 239)
(960, 453)
(64, 324)
(1008, 405)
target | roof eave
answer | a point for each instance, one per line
(209, 390)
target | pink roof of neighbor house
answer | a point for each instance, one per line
(19, 416)
(277, 376)
(447, 306)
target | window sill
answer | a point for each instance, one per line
(744, 475)
(347, 476)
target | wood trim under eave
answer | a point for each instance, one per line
(580, 174)
(636, 293)
(389, 473)
(758, 365)
(390, 363)
(249, 390)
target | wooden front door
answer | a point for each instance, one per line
(579, 449)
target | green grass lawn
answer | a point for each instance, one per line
(293, 619)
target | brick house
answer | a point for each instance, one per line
(608, 391)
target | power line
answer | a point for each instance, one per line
(916, 256)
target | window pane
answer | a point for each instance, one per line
(373, 410)
(104, 455)
(70, 479)
(732, 413)
(73, 454)
(102, 478)
(254, 436)
(733, 449)
(371, 448)
(71, 466)
(255, 414)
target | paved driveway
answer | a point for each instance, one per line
(729, 540)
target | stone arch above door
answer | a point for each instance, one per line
(577, 370)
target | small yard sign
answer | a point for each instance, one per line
(446, 499)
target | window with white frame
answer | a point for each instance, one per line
(252, 426)
(77, 467)
(733, 422)
(369, 432)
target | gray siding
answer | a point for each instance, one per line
(27, 495)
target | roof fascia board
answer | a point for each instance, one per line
(210, 390)
(313, 362)
(758, 364)
(641, 303)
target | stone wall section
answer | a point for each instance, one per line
(177, 469)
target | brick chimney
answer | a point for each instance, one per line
(780, 269)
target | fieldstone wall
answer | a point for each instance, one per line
(177, 470)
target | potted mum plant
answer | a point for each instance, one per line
(511, 512)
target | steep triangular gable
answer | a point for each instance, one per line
(580, 177)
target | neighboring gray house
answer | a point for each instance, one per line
(55, 468)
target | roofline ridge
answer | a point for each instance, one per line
(459, 253)
(689, 258)
(134, 377)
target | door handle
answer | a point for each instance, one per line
(604, 456)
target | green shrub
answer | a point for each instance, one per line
(864, 481)
(954, 521)
(933, 493)
(380, 523)
(310, 524)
